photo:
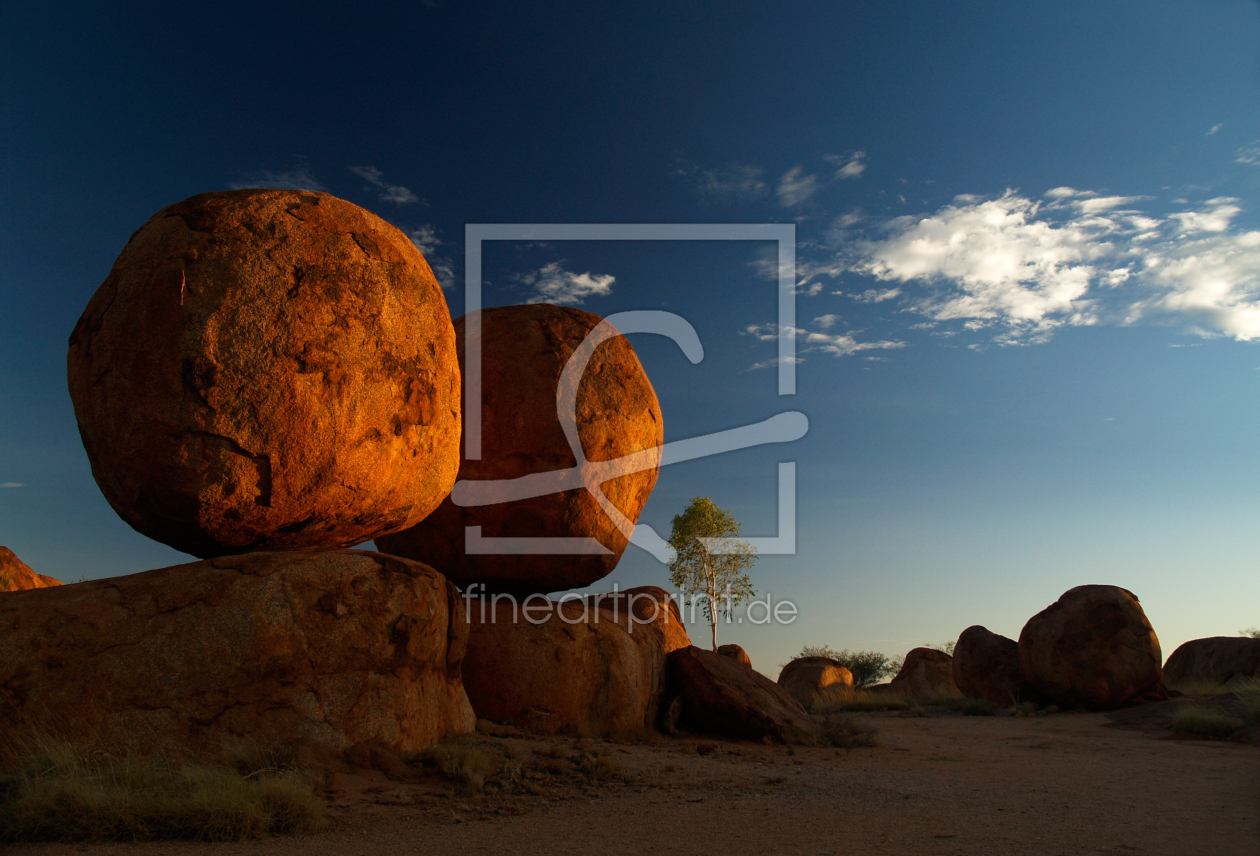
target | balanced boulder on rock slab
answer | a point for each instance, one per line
(285, 648)
(268, 369)
(1093, 648)
(811, 680)
(1215, 660)
(649, 605)
(986, 665)
(736, 653)
(524, 351)
(925, 672)
(564, 667)
(16, 575)
(721, 697)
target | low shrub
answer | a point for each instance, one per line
(847, 731)
(979, 707)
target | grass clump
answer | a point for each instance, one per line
(846, 731)
(475, 765)
(64, 793)
(979, 707)
(1198, 721)
(862, 701)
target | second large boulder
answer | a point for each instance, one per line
(1094, 647)
(1215, 660)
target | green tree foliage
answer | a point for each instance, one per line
(868, 667)
(716, 574)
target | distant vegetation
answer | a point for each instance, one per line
(868, 667)
(1253, 632)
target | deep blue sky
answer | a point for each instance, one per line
(1027, 241)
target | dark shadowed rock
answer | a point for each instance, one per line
(986, 666)
(925, 672)
(524, 351)
(268, 369)
(16, 575)
(724, 698)
(1093, 647)
(736, 653)
(811, 680)
(282, 648)
(648, 604)
(564, 667)
(1215, 660)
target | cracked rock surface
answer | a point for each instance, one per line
(268, 369)
(327, 648)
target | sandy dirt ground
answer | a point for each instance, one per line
(1068, 783)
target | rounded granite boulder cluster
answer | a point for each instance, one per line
(278, 369)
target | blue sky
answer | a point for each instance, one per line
(1028, 249)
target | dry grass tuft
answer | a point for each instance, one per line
(60, 792)
(847, 731)
(1194, 720)
(863, 701)
(476, 764)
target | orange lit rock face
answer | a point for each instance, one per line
(810, 680)
(524, 352)
(268, 369)
(1093, 647)
(736, 653)
(331, 648)
(16, 575)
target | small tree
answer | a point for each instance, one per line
(1253, 632)
(701, 567)
(868, 667)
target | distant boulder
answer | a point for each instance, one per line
(925, 672)
(1093, 648)
(986, 665)
(268, 369)
(273, 649)
(718, 696)
(16, 575)
(564, 666)
(524, 351)
(736, 653)
(1215, 660)
(811, 680)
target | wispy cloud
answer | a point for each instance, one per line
(1023, 267)
(771, 363)
(395, 193)
(554, 284)
(11, 484)
(297, 178)
(1249, 154)
(1212, 130)
(850, 166)
(836, 344)
(734, 183)
(427, 241)
(795, 186)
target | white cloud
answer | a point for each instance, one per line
(827, 321)
(427, 242)
(298, 178)
(851, 166)
(837, 344)
(394, 193)
(1020, 268)
(12, 484)
(1212, 130)
(877, 295)
(794, 188)
(772, 363)
(1249, 154)
(554, 284)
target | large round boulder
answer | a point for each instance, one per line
(811, 680)
(1093, 648)
(649, 605)
(268, 369)
(16, 575)
(524, 351)
(1215, 660)
(986, 665)
(565, 666)
(925, 672)
(277, 649)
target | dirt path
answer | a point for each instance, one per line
(1047, 785)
